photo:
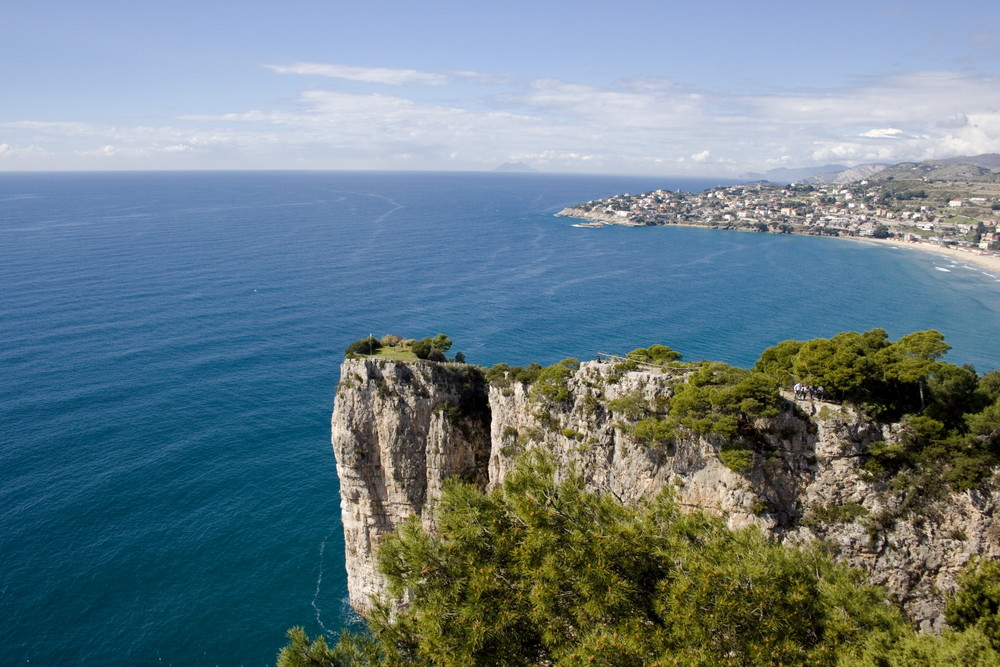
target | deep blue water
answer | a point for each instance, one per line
(170, 345)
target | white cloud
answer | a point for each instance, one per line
(383, 75)
(882, 133)
(31, 151)
(636, 125)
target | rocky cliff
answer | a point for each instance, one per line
(400, 429)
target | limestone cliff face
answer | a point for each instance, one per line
(397, 435)
(585, 433)
(400, 429)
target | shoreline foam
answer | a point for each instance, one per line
(982, 259)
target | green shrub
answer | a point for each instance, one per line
(653, 431)
(977, 604)
(527, 375)
(432, 349)
(545, 572)
(502, 375)
(365, 346)
(737, 460)
(553, 381)
(451, 411)
(654, 354)
(631, 406)
(835, 514)
(718, 399)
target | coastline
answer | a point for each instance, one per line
(988, 261)
(984, 260)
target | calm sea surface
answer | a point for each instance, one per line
(170, 345)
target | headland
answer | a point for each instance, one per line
(951, 218)
(845, 465)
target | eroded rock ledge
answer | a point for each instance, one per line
(400, 429)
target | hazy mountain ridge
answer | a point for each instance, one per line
(978, 169)
(984, 168)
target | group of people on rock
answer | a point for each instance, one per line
(803, 391)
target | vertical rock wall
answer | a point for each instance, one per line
(399, 430)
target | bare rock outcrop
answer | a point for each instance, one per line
(399, 430)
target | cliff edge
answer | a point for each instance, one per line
(400, 429)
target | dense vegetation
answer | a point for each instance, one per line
(502, 375)
(432, 348)
(719, 400)
(949, 415)
(654, 354)
(368, 345)
(543, 572)
(552, 382)
(977, 604)
(395, 347)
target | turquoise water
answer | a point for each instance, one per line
(171, 343)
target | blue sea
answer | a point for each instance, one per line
(170, 345)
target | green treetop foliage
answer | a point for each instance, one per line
(432, 349)
(845, 363)
(369, 345)
(912, 359)
(502, 375)
(989, 386)
(544, 572)
(352, 650)
(724, 400)
(716, 399)
(863, 368)
(977, 603)
(949, 422)
(954, 391)
(654, 354)
(777, 361)
(552, 381)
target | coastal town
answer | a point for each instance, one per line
(957, 215)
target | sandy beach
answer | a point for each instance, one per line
(980, 258)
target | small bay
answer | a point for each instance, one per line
(171, 344)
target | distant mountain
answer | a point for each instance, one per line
(859, 173)
(831, 173)
(989, 161)
(975, 169)
(793, 175)
(514, 166)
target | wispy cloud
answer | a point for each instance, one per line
(635, 125)
(882, 133)
(29, 151)
(383, 75)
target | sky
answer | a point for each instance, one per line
(628, 87)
